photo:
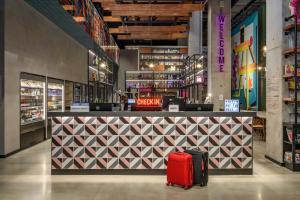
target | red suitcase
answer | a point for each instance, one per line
(180, 169)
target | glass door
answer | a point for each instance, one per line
(32, 101)
(55, 97)
(32, 110)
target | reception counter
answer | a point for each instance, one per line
(139, 142)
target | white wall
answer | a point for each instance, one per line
(35, 45)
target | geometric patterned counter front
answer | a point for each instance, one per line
(144, 142)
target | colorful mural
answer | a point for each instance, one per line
(295, 6)
(94, 26)
(244, 62)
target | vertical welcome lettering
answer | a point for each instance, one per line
(221, 44)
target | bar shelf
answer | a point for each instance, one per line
(291, 130)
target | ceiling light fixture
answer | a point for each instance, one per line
(103, 65)
(199, 65)
(151, 65)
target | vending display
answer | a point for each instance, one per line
(69, 88)
(78, 93)
(55, 97)
(32, 101)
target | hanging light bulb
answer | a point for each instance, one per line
(103, 65)
(199, 65)
(265, 48)
(151, 65)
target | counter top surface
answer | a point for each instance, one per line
(154, 114)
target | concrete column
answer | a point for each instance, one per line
(2, 78)
(277, 111)
(195, 34)
(219, 48)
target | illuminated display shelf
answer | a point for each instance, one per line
(291, 129)
(152, 81)
(195, 78)
(164, 57)
(100, 78)
(32, 101)
(55, 97)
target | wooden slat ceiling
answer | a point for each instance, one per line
(173, 11)
(147, 19)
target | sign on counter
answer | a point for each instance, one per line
(232, 105)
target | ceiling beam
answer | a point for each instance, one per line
(146, 18)
(133, 9)
(153, 36)
(142, 13)
(112, 19)
(79, 19)
(145, 7)
(69, 7)
(149, 29)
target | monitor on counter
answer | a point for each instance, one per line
(131, 101)
(166, 101)
(232, 105)
(199, 107)
(101, 106)
(180, 102)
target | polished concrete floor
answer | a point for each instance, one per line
(26, 175)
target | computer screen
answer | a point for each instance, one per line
(131, 101)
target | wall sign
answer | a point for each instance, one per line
(221, 43)
(149, 102)
(232, 105)
(173, 108)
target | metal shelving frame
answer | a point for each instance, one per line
(294, 144)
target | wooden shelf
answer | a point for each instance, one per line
(291, 51)
(292, 89)
(289, 124)
(289, 101)
(292, 167)
(286, 77)
(287, 142)
(290, 28)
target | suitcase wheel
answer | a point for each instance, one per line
(169, 184)
(186, 187)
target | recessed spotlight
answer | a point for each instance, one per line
(103, 65)
(199, 65)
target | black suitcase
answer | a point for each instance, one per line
(200, 163)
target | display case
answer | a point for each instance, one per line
(69, 94)
(153, 83)
(291, 125)
(32, 110)
(55, 96)
(32, 101)
(100, 80)
(80, 93)
(162, 58)
(195, 78)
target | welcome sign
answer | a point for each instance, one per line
(221, 43)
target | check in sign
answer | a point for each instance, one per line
(232, 105)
